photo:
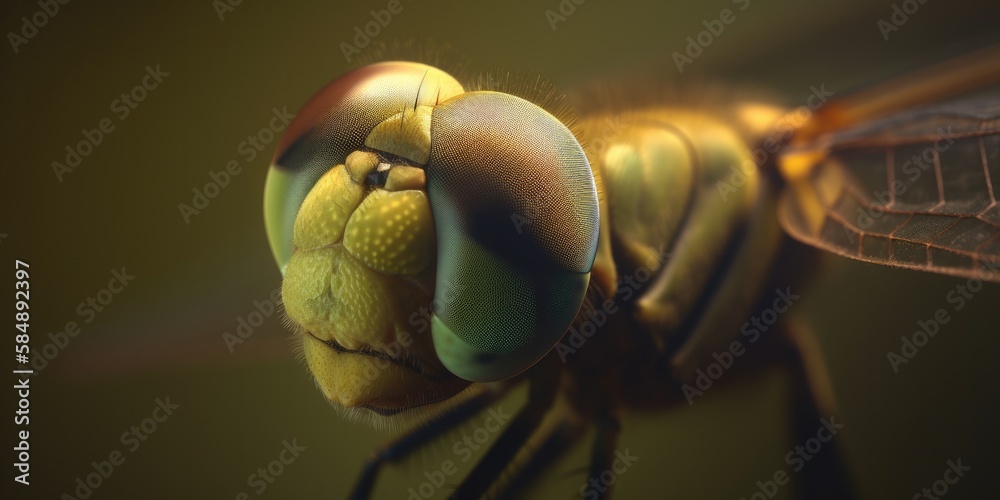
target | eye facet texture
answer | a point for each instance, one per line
(516, 213)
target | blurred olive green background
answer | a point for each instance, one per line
(162, 336)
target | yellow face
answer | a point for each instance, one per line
(361, 268)
(360, 278)
(428, 236)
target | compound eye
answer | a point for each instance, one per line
(516, 216)
(336, 123)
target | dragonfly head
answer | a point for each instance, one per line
(428, 236)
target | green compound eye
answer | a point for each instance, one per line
(516, 213)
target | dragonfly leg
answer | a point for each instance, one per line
(826, 475)
(551, 448)
(401, 447)
(544, 381)
(603, 462)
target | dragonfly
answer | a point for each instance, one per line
(442, 241)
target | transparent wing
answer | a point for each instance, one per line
(916, 190)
